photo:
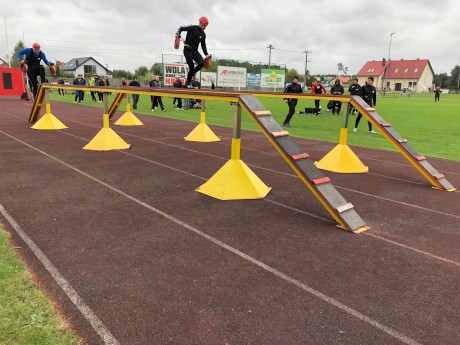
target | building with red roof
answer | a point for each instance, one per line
(398, 75)
(3, 63)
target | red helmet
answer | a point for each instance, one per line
(204, 21)
(36, 45)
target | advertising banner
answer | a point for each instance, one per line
(273, 78)
(172, 71)
(253, 80)
(231, 76)
(206, 79)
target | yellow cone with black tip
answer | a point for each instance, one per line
(234, 181)
(341, 158)
(128, 118)
(106, 139)
(202, 132)
(48, 121)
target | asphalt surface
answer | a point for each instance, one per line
(131, 254)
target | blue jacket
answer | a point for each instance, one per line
(32, 59)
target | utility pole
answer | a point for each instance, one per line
(388, 64)
(306, 52)
(7, 47)
(270, 47)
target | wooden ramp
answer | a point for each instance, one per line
(436, 179)
(341, 210)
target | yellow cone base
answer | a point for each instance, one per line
(202, 133)
(128, 118)
(107, 140)
(49, 122)
(234, 181)
(342, 159)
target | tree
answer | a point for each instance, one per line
(441, 79)
(339, 68)
(157, 69)
(120, 73)
(141, 71)
(15, 62)
(455, 79)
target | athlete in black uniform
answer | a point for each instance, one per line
(195, 36)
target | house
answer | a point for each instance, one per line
(344, 80)
(3, 63)
(398, 75)
(86, 66)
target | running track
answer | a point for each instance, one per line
(131, 254)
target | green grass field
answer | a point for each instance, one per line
(431, 128)
(26, 315)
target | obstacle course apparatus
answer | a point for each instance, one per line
(235, 180)
(48, 121)
(128, 118)
(321, 187)
(342, 159)
(106, 139)
(202, 132)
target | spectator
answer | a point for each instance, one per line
(92, 82)
(437, 93)
(336, 89)
(179, 85)
(79, 94)
(100, 82)
(354, 90)
(318, 88)
(294, 87)
(369, 95)
(60, 81)
(134, 82)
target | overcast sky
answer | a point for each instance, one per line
(124, 34)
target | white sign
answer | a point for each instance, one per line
(172, 71)
(206, 78)
(231, 76)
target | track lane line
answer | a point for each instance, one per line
(73, 295)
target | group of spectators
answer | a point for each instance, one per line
(367, 92)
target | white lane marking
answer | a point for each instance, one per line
(85, 310)
(360, 316)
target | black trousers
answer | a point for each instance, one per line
(192, 55)
(33, 73)
(358, 118)
(135, 100)
(291, 104)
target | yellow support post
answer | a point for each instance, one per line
(235, 180)
(48, 120)
(202, 133)
(341, 158)
(128, 118)
(106, 139)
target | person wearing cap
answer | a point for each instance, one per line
(33, 57)
(195, 37)
(293, 87)
(337, 89)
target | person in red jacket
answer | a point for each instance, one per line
(317, 88)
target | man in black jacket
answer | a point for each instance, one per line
(195, 37)
(354, 90)
(294, 87)
(369, 95)
(337, 89)
(134, 82)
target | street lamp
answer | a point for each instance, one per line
(388, 63)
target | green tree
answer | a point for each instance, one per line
(120, 73)
(454, 81)
(15, 62)
(141, 71)
(441, 79)
(157, 69)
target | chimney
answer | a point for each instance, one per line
(76, 63)
(383, 62)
